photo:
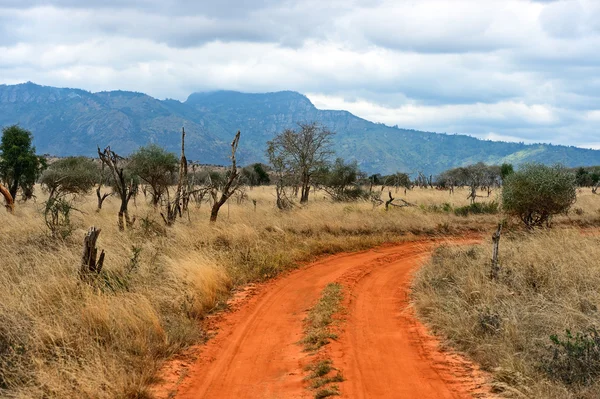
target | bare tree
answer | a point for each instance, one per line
(390, 202)
(99, 195)
(302, 152)
(180, 202)
(124, 188)
(233, 183)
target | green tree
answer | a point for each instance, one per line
(20, 167)
(536, 192)
(340, 181)
(71, 175)
(506, 169)
(583, 178)
(256, 175)
(156, 167)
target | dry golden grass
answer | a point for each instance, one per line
(61, 338)
(548, 283)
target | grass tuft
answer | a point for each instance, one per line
(317, 332)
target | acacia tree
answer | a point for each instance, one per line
(156, 167)
(20, 167)
(123, 184)
(64, 180)
(302, 152)
(341, 181)
(537, 192)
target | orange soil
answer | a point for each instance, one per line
(382, 351)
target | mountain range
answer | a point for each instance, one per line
(74, 122)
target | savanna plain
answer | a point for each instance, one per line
(533, 329)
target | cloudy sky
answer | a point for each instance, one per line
(520, 70)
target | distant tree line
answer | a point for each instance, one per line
(301, 161)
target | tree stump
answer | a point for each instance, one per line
(90, 264)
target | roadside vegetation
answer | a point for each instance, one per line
(535, 328)
(318, 331)
(530, 316)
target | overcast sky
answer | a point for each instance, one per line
(513, 70)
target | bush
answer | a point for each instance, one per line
(477, 208)
(537, 192)
(575, 359)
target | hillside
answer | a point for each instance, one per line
(72, 121)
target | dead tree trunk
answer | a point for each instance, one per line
(91, 264)
(181, 199)
(473, 194)
(183, 177)
(233, 183)
(495, 263)
(10, 204)
(101, 197)
(305, 188)
(388, 202)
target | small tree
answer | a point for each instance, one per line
(156, 167)
(302, 152)
(506, 169)
(123, 184)
(537, 192)
(72, 175)
(182, 194)
(232, 183)
(19, 166)
(340, 181)
(104, 177)
(64, 180)
(256, 175)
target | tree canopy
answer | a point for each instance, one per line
(156, 167)
(20, 167)
(72, 175)
(536, 192)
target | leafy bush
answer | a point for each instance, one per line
(575, 359)
(443, 208)
(537, 192)
(477, 208)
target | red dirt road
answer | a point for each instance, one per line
(382, 350)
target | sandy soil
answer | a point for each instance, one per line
(383, 351)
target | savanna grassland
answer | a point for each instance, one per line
(61, 337)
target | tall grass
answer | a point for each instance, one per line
(548, 284)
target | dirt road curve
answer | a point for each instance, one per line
(382, 351)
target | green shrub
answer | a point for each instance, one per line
(537, 192)
(575, 359)
(477, 208)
